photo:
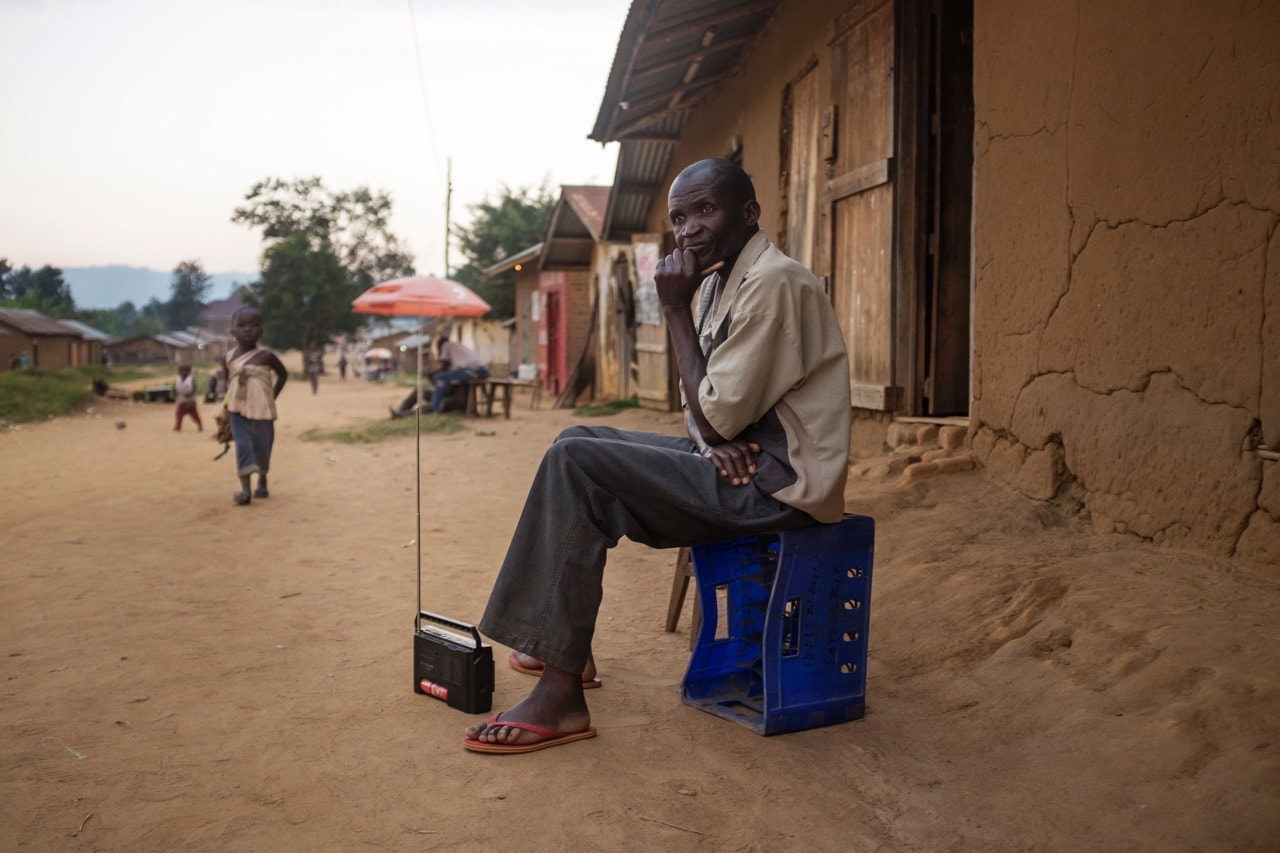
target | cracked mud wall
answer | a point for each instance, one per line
(1127, 263)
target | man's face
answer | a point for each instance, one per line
(706, 219)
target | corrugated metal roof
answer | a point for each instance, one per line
(160, 338)
(411, 342)
(187, 338)
(672, 55)
(576, 225)
(34, 323)
(524, 256)
(642, 167)
(590, 203)
(89, 333)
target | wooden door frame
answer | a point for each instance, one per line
(911, 215)
(912, 225)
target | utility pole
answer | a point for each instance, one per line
(448, 200)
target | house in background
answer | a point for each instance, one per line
(47, 343)
(198, 345)
(565, 357)
(489, 339)
(523, 327)
(1058, 227)
(171, 348)
(216, 316)
(91, 346)
(554, 293)
(407, 347)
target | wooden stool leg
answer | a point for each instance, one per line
(679, 586)
(695, 622)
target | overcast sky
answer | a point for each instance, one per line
(131, 129)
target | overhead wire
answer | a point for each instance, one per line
(422, 89)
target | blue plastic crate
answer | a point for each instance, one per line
(793, 653)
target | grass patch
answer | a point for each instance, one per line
(375, 431)
(604, 410)
(36, 395)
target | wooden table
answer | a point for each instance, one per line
(483, 393)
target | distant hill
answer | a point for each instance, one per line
(107, 287)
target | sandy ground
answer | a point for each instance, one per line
(181, 673)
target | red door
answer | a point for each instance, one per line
(551, 345)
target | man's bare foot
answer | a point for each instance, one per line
(530, 665)
(556, 703)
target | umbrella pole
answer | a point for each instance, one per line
(417, 455)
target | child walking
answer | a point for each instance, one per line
(255, 377)
(184, 388)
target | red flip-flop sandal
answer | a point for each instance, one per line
(536, 672)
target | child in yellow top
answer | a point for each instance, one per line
(255, 377)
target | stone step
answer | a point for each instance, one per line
(919, 449)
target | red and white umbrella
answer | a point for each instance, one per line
(420, 296)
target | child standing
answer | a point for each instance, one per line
(184, 388)
(255, 377)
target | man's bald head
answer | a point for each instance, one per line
(727, 175)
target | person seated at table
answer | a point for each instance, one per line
(457, 364)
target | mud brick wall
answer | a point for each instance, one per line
(1127, 263)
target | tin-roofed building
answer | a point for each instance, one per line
(46, 342)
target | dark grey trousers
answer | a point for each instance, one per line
(254, 439)
(596, 485)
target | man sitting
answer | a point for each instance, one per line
(765, 381)
(457, 366)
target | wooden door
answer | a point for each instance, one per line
(858, 145)
(802, 168)
(552, 361)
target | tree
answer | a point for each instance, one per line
(43, 290)
(516, 221)
(304, 293)
(302, 217)
(104, 320)
(151, 318)
(186, 295)
(128, 314)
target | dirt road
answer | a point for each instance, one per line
(181, 673)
